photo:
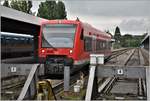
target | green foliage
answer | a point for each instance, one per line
(22, 5)
(43, 11)
(61, 13)
(29, 7)
(117, 30)
(130, 41)
(52, 10)
(126, 40)
(6, 3)
(116, 46)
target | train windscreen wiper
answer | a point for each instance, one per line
(45, 43)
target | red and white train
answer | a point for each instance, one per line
(69, 42)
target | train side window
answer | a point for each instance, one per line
(27, 40)
(31, 40)
(12, 41)
(103, 44)
(81, 36)
(2, 40)
(97, 44)
(106, 45)
(88, 44)
(16, 40)
(110, 45)
(22, 40)
(8, 40)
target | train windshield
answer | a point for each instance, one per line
(58, 35)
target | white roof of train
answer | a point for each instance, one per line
(16, 34)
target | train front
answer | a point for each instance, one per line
(56, 43)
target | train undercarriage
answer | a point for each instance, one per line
(54, 65)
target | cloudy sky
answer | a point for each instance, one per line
(132, 16)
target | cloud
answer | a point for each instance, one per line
(109, 7)
(135, 25)
(132, 16)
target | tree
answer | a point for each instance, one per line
(29, 7)
(61, 13)
(52, 10)
(47, 9)
(128, 40)
(117, 34)
(6, 3)
(22, 5)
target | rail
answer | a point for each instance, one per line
(116, 53)
(29, 89)
(123, 70)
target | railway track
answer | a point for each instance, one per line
(117, 53)
(59, 88)
(123, 88)
(136, 87)
(11, 87)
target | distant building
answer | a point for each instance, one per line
(145, 42)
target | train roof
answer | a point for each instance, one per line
(77, 22)
(96, 31)
(61, 21)
(16, 34)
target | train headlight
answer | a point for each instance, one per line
(71, 51)
(43, 51)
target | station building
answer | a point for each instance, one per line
(145, 42)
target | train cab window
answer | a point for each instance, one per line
(58, 35)
(82, 36)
